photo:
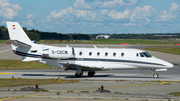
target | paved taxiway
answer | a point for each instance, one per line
(131, 84)
(170, 75)
(123, 90)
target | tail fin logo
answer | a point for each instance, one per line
(13, 26)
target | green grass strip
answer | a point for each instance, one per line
(166, 50)
(3, 41)
(28, 82)
(107, 41)
(103, 41)
(18, 64)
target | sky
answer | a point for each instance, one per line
(94, 16)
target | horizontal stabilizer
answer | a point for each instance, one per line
(30, 59)
(18, 43)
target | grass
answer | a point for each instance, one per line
(70, 91)
(3, 41)
(175, 93)
(104, 41)
(130, 41)
(118, 92)
(107, 41)
(18, 64)
(58, 93)
(28, 82)
(166, 50)
(85, 91)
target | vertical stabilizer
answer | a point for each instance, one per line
(16, 33)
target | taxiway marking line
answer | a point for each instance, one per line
(8, 98)
(5, 50)
(25, 96)
(8, 73)
(38, 94)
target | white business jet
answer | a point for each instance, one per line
(82, 59)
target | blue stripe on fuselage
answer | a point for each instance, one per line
(87, 59)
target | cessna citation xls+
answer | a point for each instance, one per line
(82, 59)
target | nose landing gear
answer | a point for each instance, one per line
(155, 75)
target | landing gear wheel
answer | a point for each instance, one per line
(77, 75)
(156, 75)
(81, 73)
(91, 74)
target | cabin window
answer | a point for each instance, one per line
(114, 54)
(106, 54)
(137, 55)
(90, 53)
(98, 54)
(146, 54)
(141, 55)
(80, 53)
(122, 54)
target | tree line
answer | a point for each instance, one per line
(40, 35)
(37, 35)
(140, 36)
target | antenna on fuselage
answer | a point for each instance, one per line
(95, 46)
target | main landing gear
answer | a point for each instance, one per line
(79, 73)
(155, 75)
(91, 74)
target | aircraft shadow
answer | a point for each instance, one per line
(66, 76)
(96, 76)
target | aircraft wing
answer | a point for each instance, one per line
(68, 66)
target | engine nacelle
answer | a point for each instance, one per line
(60, 53)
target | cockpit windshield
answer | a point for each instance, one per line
(146, 54)
(141, 55)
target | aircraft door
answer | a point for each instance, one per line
(80, 55)
(45, 52)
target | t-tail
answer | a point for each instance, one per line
(19, 40)
(17, 34)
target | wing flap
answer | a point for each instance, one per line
(69, 66)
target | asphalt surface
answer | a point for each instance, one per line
(170, 75)
(123, 84)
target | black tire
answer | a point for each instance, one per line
(91, 74)
(155, 76)
(78, 75)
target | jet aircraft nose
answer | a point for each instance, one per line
(169, 65)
